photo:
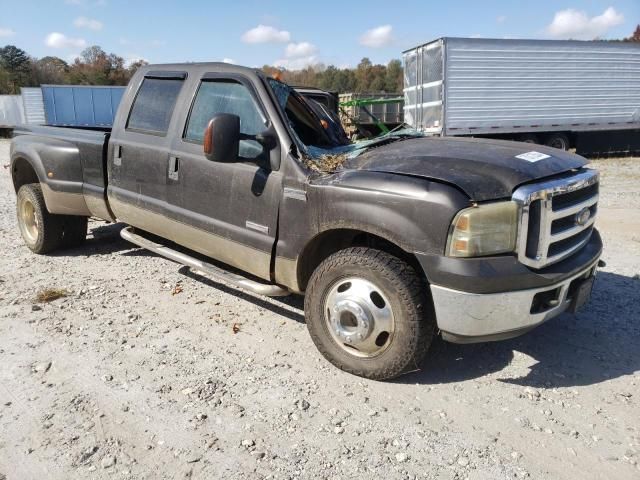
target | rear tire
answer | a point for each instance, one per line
(351, 294)
(40, 230)
(559, 141)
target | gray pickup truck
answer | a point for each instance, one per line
(392, 240)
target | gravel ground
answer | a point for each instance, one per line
(147, 371)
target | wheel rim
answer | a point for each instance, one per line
(359, 317)
(28, 221)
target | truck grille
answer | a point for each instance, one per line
(557, 217)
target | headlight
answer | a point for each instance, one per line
(484, 230)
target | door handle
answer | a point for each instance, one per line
(174, 168)
(117, 155)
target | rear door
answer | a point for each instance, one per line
(139, 153)
(229, 211)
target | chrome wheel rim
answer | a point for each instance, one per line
(28, 221)
(359, 317)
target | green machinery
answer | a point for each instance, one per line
(361, 115)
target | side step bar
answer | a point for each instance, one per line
(218, 274)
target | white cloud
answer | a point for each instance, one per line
(60, 40)
(578, 25)
(131, 58)
(229, 60)
(6, 32)
(501, 18)
(302, 49)
(90, 23)
(297, 63)
(298, 56)
(265, 34)
(377, 37)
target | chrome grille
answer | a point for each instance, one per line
(556, 218)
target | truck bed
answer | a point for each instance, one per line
(70, 163)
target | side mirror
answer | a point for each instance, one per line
(222, 138)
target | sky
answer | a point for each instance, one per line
(294, 34)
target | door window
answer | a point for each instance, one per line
(152, 109)
(215, 97)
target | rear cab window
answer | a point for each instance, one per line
(154, 104)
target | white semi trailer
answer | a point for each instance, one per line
(561, 93)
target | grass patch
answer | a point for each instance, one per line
(50, 294)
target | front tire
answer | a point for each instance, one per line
(41, 230)
(368, 312)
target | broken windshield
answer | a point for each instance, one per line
(315, 129)
(303, 119)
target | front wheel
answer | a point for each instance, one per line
(369, 313)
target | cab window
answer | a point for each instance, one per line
(153, 106)
(215, 97)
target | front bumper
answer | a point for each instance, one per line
(504, 273)
(465, 317)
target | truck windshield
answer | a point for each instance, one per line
(308, 122)
(319, 133)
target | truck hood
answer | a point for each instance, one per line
(484, 169)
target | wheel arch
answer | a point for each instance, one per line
(23, 172)
(333, 240)
(63, 194)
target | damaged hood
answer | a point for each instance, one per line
(484, 169)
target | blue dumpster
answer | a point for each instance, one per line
(81, 106)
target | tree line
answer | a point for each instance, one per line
(96, 67)
(93, 67)
(366, 77)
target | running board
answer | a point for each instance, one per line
(267, 289)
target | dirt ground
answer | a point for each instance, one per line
(146, 371)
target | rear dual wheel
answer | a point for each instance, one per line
(44, 232)
(369, 313)
(559, 141)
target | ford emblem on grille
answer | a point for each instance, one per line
(583, 216)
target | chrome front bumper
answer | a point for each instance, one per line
(465, 317)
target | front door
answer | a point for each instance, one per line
(230, 209)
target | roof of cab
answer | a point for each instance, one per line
(199, 67)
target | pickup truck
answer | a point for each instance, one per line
(392, 240)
